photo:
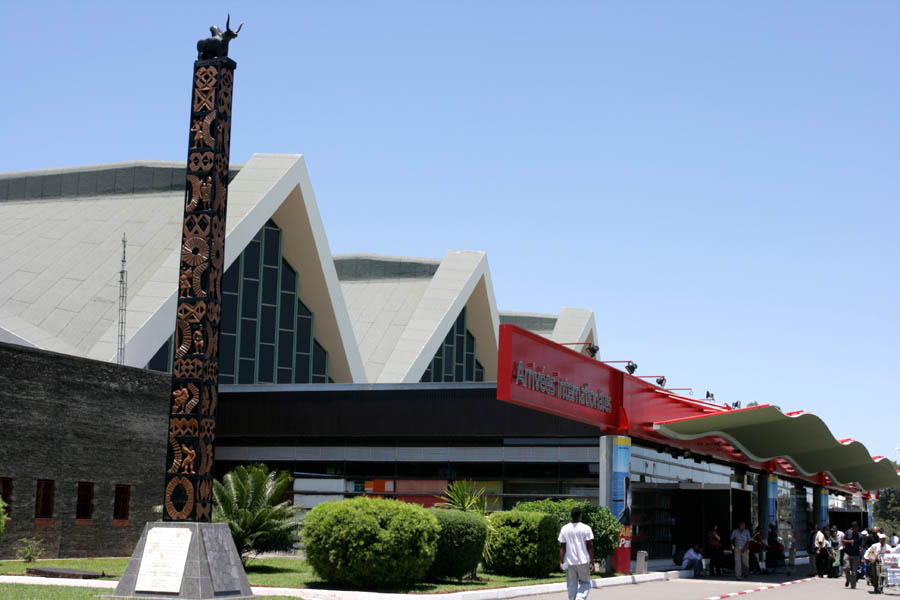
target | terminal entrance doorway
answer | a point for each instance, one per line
(668, 518)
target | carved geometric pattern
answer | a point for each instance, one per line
(196, 225)
(201, 161)
(194, 251)
(206, 457)
(215, 312)
(203, 511)
(204, 491)
(188, 487)
(210, 399)
(193, 312)
(183, 426)
(195, 369)
(187, 368)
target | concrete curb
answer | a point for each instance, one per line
(314, 594)
(761, 589)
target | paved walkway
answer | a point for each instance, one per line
(651, 586)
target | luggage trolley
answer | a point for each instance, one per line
(889, 572)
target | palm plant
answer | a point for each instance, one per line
(464, 496)
(467, 497)
(247, 499)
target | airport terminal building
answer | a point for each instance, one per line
(373, 374)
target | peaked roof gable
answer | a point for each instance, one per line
(462, 280)
(575, 325)
(269, 186)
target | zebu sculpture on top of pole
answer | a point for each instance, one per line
(186, 556)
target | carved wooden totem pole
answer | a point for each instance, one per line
(195, 370)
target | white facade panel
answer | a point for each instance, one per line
(319, 484)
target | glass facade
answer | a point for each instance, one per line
(266, 333)
(651, 466)
(455, 361)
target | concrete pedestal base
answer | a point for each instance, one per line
(213, 568)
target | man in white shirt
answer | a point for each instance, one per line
(840, 547)
(693, 559)
(740, 540)
(821, 556)
(576, 556)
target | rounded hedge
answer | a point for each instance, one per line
(522, 544)
(460, 544)
(370, 542)
(603, 523)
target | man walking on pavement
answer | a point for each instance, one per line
(740, 539)
(852, 542)
(576, 556)
(874, 552)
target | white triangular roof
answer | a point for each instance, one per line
(61, 251)
(462, 280)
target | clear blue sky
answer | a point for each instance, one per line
(718, 181)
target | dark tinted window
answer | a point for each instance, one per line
(43, 499)
(121, 502)
(6, 492)
(84, 502)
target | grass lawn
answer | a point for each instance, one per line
(273, 572)
(292, 572)
(15, 591)
(113, 567)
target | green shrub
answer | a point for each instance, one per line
(2, 518)
(30, 549)
(522, 544)
(249, 500)
(460, 544)
(602, 522)
(370, 542)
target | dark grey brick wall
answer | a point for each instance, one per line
(71, 419)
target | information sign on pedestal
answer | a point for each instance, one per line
(162, 564)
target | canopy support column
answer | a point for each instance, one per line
(820, 506)
(767, 494)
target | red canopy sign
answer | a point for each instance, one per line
(536, 373)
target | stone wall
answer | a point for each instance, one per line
(71, 420)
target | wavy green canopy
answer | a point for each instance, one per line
(764, 433)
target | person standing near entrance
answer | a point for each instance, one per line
(714, 543)
(740, 540)
(852, 542)
(576, 556)
(821, 555)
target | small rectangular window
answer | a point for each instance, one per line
(271, 244)
(251, 261)
(266, 363)
(6, 492)
(43, 499)
(121, 502)
(84, 505)
(250, 299)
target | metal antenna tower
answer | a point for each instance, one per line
(123, 298)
